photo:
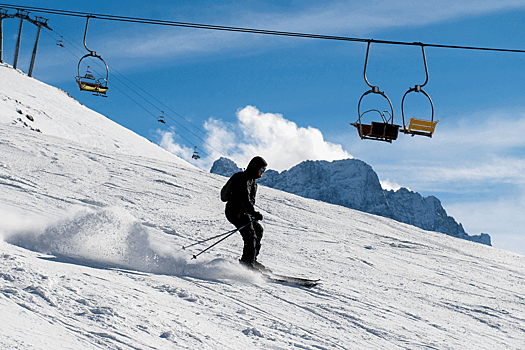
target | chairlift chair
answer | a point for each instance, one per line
(161, 118)
(417, 126)
(383, 130)
(88, 82)
(60, 42)
(195, 154)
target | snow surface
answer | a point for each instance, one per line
(91, 257)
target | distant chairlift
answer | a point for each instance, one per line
(383, 130)
(60, 42)
(88, 82)
(161, 118)
(195, 154)
(422, 127)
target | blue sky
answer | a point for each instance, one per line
(291, 99)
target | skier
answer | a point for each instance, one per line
(239, 193)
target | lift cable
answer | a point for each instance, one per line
(145, 99)
(246, 30)
(67, 39)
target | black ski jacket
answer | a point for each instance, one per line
(241, 188)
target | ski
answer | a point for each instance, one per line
(270, 276)
(290, 280)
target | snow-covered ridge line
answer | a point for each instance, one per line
(354, 184)
(31, 104)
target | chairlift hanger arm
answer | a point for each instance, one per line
(419, 126)
(418, 87)
(93, 53)
(385, 130)
(98, 85)
(375, 89)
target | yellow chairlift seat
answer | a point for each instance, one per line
(94, 85)
(88, 82)
(415, 126)
(421, 127)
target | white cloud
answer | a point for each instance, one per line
(350, 18)
(389, 185)
(171, 43)
(366, 17)
(167, 141)
(281, 142)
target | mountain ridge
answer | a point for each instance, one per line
(353, 183)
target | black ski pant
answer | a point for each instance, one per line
(251, 235)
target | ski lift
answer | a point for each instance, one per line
(88, 82)
(60, 42)
(161, 118)
(422, 127)
(383, 130)
(195, 154)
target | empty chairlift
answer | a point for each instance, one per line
(160, 119)
(88, 82)
(195, 154)
(383, 129)
(419, 126)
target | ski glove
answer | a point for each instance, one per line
(257, 216)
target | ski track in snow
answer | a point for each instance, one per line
(91, 257)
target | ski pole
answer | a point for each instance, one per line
(208, 239)
(219, 241)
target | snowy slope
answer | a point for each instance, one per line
(91, 258)
(29, 103)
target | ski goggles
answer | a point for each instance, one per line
(263, 170)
